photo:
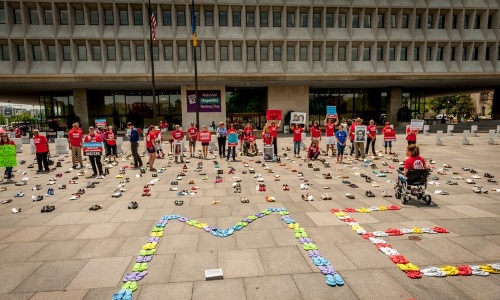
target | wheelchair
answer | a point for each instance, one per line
(246, 149)
(415, 185)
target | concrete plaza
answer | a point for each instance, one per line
(74, 253)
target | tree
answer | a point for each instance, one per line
(458, 105)
(2, 120)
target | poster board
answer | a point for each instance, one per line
(232, 140)
(100, 122)
(92, 148)
(417, 124)
(389, 135)
(268, 153)
(360, 134)
(8, 156)
(298, 118)
(274, 114)
(178, 145)
(331, 111)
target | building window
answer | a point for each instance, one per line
(222, 18)
(264, 19)
(33, 17)
(197, 18)
(441, 21)
(37, 53)
(329, 20)
(79, 18)
(237, 53)
(464, 53)
(416, 53)
(404, 54)
(393, 21)
(2, 15)
(380, 53)
(156, 53)
(264, 55)
(498, 53)
(94, 17)
(316, 20)
(17, 16)
(21, 56)
(342, 21)
(392, 53)
(167, 18)
(250, 19)
(490, 22)
(250, 53)
(96, 53)
(428, 54)
(48, 17)
(290, 53)
(342, 55)
(316, 53)
(224, 53)
(109, 18)
(126, 53)
(209, 18)
(111, 53)
(404, 21)
(439, 54)
(277, 53)
(475, 53)
(82, 53)
(63, 17)
(210, 53)
(123, 17)
(487, 54)
(380, 21)
(477, 22)
(138, 17)
(182, 53)
(66, 53)
(303, 20)
(290, 19)
(276, 19)
(51, 53)
(452, 53)
(354, 54)
(303, 53)
(429, 22)
(355, 20)
(181, 18)
(139, 52)
(367, 21)
(329, 53)
(466, 22)
(367, 53)
(5, 53)
(418, 21)
(236, 19)
(454, 21)
(169, 53)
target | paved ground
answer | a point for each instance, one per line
(74, 253)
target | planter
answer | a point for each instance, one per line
(286, 129)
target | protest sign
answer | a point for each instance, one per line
(8, 156)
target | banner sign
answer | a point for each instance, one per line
(417, 124)
(360, 134)
(268, 152)
(389, 135)
(331, 111)
(210, 101)
(205, 137)
(232, 139)
(92, 148)
(100, 122)
(8, 156)
(298, 118)
(273, 114)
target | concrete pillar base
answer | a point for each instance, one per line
(394, 104)
(81, 108)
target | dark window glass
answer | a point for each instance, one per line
(197, 17)
(198, 53)
(317, 20)
(290, 53)
(182, 53)
(236, 18)
(109, 18)
(209, 18)
(464, 53)
(441, 21)
(354, 54)
(33, 17)
(487, 54)
(418, 21)
(404, 54)
(477, 22)
(264, 55)
(329, 53)
(63, 17)
(82, 53)
(490, 22)
(224, 53)
(380, 21)
(329, 20)
(277, 53)
(303, 53)
(342, 21)
(316, 53)
(264, 19)
(37, 53)
(250, 53)
(380, 53)
(466, 22)
(367, 21)
(303, 20)
(452, 53)
(454, 21)
(416, 53)
(428, 54)
(111, 53)
(430, 24)
(169, 53)
(94, 17)
(181, 18)
(342, 54)
(222, 18)
(51, 53)
(355, 20)
(66, 53)
(96, 53)
(393, 21)
(5, 53)
(237, 53)
(48, 17)
(367, 54)
(139, 52)
(2, 15)
(404, 21)
(79, 18)
(277, 19)
(439, 54)
(290, 19)
(167, 18)
(475, 53)
(250, 19)
(17, 16)
(392, 53)
(126, 52)
(138, 17)
(123, 17)
(210, 53)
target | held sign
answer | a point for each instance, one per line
(8, 156)
(100, 122)
(331, 112)
(417, 124)
(232, 140)
(273, 114)
(92, 148)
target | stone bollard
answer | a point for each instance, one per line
(32, 146)
(61, 146)
(212, 146)
(119, 145)
(498, 130)
(491, 141)
(466, 134)
(439, 135)
(473, 130)
(19, 144)
(449, 130)
(426, 129)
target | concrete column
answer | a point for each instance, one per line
(495, 108)
(293, 98)
(394, 103)
(81, 109)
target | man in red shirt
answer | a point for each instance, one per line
(297, 139)
(389, 136)
(75, 144)
(274, 133)
(232, 147)
(193, 136)
(372, 135)
(42, 151)
(330, 134)
(110, 138)
(95, 160)
(178, 135)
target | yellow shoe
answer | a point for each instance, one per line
(339, 214)
(489, 269)
(408, 267)
(450, 270)
(363, 210)
(381, 207)
(417, 230)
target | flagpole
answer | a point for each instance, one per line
(193, 28)
(155, 117)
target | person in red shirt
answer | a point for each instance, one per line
(352, 129)
(413, 162)
(372, 135)
(330, 134)
(267, 137)
(110, 141)
(178, 135)
(315, 133)
(75, 136)
(205, 137)
(158, 143)
(297, 139)
(389, 136)
(17, 130)
(95, 160)
(274, 133)
(42, 151)
(411, 136)
(5, 140)
(151, 146)
(193, 136)
(231, 148)
(250, 140)
(313, 151)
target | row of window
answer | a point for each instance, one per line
(292, 52)
(295, 18)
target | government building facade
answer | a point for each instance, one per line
(368, 58)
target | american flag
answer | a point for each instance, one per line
(153, 26)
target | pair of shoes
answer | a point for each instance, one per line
(370, 194)
(95, 207)
(133, 205)
(179, 202)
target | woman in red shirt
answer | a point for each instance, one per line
(95, 160)
(372, 135)
(150, 146)
(42, 151)
(297, 139)
(205, 137)
(411, 136)
(5, 140)
(413, 162)
(313, 151)
(267, 137)
(315, 133)
(110, 138)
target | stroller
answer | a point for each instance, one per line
(415, 185)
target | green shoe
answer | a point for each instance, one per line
(266, 212)
(284, 212)
(137, 266)
(253, 218)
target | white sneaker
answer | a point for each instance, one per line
(476, 189)
(475, 176)
(100, 177)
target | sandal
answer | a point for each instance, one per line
(245, 200)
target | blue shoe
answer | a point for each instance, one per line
(330, 280)
(338, 279)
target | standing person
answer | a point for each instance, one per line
(411, 136)
(352, 129)
(359, 143)
(42, 151)
(178, 135)
(231, 148)
(213, 125)
(315, 133)
(313, 151)
(267, 140)
(134, 145)
(95, 160)
(371, 136)
(150, 146)
(5, 140)
(75, 137)
(221, 139)
(341, 137)
(193, 136)
(110, 141)
(389, 135)
(17, 130)
(158, 143)
(247, 129)
(205, 137)
(274, 132)
(344, 123)
(330, 134)
(297, 139)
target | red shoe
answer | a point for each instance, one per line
(264, 187)
(349, 209)
(440, 229)
(367, 235)
(414, 274)
(334, 210)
